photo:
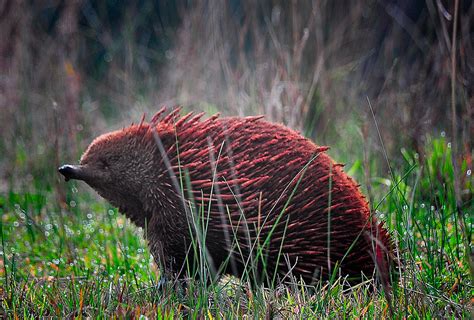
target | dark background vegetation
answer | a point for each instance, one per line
(73, 69)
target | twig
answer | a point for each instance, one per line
(454, 153)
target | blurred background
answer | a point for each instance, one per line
(71, 70)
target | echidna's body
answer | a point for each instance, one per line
(254, 188)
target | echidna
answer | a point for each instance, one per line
(252, 194)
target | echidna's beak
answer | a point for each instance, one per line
(71, 171)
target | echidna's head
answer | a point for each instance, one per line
(119, 166)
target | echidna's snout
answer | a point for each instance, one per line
(71, 172)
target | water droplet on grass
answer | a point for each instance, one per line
(469, 172)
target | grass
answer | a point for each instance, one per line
(79, 257)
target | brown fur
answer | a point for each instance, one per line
(259, 187)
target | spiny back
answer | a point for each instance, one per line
(263, 184)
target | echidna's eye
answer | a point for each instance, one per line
(104, 164)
